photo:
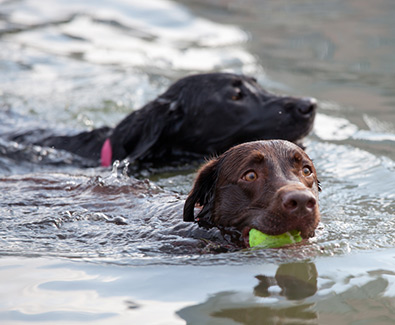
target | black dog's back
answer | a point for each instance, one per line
(85, 144)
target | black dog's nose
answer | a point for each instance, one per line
(306, 106)
(303, 107)
(298, 203)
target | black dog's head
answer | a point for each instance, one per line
(206, 114)
(271, 186)
(222, 110)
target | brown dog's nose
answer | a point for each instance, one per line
(298, 203)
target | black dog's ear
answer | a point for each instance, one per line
(202, 192)
(146, 131)
(137, 136)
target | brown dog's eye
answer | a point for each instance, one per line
(306, 171)
(250, 176)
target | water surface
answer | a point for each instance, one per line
(91, 245)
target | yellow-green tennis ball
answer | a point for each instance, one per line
(257, 238)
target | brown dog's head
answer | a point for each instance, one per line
(271, 186)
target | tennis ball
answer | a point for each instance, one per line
(257, 238)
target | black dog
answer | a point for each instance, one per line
(198, 116)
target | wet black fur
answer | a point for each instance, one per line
(198, 116)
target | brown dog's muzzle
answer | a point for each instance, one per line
(298, 208)
(296, 202)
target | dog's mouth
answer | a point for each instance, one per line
(245, 237)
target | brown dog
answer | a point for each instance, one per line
(271, 186)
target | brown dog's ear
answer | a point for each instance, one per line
(202, 192)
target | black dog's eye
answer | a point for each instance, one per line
(237, 94)
(306, 171)
(250, 176)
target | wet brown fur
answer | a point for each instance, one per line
(283, 197)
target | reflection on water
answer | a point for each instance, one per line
(296, 280)
(346, 290)
(292, 281)
(299, 294)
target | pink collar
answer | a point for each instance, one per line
(106, 154)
